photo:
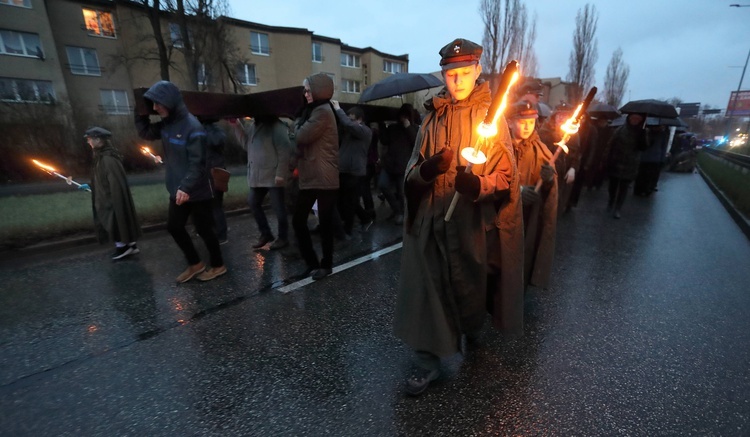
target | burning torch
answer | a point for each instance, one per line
(146, 151)
(488, 128)
(570, 128)
(52, 171)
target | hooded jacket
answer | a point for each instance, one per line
(318, 139)
(355, 143)
(184, 142)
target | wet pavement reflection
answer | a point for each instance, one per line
(644, 332)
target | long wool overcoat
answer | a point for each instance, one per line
(443, 283)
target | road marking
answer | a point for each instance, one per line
(301, 283)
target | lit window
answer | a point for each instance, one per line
(246, 74)
(20, 44)
(20, 3)
(83, 61)
(24, 90)
(115, 102)
(393, 67)
(202, 75)
(350, 86)
(259, 43)
(99, 23)
(349, 60)
(317, 52)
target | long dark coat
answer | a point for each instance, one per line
(551, 134)
(625, 148)
(115, 218)
(443, 283)
(540, 220)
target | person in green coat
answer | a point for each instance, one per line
(448, 266)
(114, 212)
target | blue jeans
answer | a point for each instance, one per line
(255, 200)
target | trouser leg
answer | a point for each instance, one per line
(326, 208)
(177, 218)
(277, 203)
(255, 200)
(204, 223)
(305, 201)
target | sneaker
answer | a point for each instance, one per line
(417, 384)
(279, 244)
(190, 272)
(262, 241)
(122, 252)
(134, 246)
(366, 226)
(211, 273)
(321, 273)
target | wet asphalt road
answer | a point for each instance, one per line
(645, 332)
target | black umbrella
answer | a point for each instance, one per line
(399, 83)
(656, 121)
(650, 107)
(603, 110)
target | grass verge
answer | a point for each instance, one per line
(28, 220)
(731, 181)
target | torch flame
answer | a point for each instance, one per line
(145, 150)
(570, 126)
(487, 130)
(43, 166)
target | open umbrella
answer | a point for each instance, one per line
(657, 121)
(603, 110)
(399, 83)
(650, 107)
(544, 110)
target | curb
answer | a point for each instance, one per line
(738, 218)
(86, 240)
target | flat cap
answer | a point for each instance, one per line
(522, 109)
(97, 132)
(460, 53)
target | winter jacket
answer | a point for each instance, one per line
(355, 142)
(318, 139)
(184, 142)
(268, 152)
(399, 144)
(625, 148)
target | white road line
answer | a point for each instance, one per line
(301, 283)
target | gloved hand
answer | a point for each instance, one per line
(436, 164)
(84, 187)
(570, 176)
(547, 172)
(467, 184)
(529, 196)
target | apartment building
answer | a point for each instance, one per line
(81, 59)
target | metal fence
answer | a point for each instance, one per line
(735, 158)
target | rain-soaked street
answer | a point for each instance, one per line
(645, 332)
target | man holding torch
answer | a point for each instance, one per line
(442, 294)
(188, 183)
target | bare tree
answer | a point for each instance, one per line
(584, 54)
(507, 36)
(616, 79)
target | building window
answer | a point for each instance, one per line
(83, 61)
(24, 90)
(20, 3)
(115, 102)
(351, 86)
(317, 52)
(259, 43)
(349, 60)
(246, 74)
(99, 23)
(20, 44)
(202, 75)
(393, 67)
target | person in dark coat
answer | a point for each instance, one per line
(216, 139)
(447, 265)
(115, 219)
(398, 142)
(588, 137)
(651, 162)
(623, 160)
(188, 181)
(566, 164)
(539, 207)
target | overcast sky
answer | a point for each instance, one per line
(691, 49)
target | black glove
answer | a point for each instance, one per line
(437, 164)
(529, 196)
(467, 184)
(547, 172)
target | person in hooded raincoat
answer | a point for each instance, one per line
(442, 292)
(115, 218)
(188, 179)
(539, 207)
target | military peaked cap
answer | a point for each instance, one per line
(522, 109)
(460, 53)
(97, 132)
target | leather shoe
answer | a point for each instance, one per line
(190, 272)
(417, 384)
(321, 273)
(279, 244)
(212, 273)
(262, 241)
